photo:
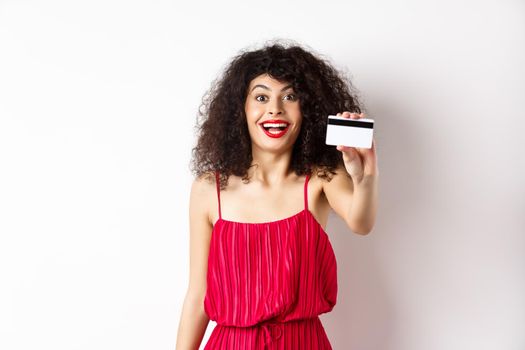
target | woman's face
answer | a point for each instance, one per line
(273, 104)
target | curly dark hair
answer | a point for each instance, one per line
(224, 143)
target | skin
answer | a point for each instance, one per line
(277, 192)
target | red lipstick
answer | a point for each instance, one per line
(278, 124)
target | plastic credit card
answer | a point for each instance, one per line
(349, 132)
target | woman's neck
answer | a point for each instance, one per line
(270, 168)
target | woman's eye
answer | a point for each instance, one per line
(260, 98)
(290, 97)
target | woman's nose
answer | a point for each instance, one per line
(274, 108)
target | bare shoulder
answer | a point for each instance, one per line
(202, 190)
(332, 181)
(203, 183)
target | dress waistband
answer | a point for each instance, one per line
(273, 329)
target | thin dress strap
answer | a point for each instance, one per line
(306, 192)
(218, 192)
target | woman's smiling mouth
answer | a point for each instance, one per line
(275, 128)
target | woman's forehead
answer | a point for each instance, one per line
(265, 81)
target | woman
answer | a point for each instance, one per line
(261, 264)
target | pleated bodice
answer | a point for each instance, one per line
(276, 271)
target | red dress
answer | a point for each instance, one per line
(268, 282)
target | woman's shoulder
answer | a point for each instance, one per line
(323, 175)
(204, 181)
(207, 176)
(205, 184)
(325, 180)
(203, 188)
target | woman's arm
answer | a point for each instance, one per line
(193, 320)
(353, 191)
(355, 203)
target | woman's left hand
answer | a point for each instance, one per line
(359, 162)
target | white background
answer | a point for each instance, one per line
(98, 101)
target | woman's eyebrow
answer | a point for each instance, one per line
(267, 88)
